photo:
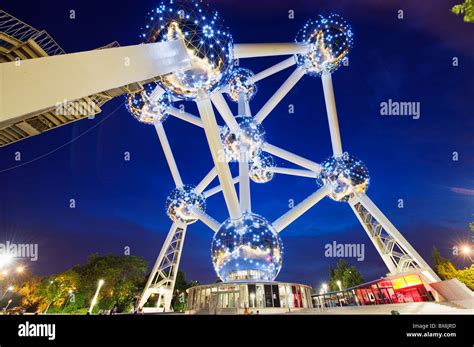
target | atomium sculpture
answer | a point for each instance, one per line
(187, 53)
(246, 246)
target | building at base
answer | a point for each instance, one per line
(235, 297)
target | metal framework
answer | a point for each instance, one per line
(168, 57)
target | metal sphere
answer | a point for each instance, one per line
(260, 168)
(207, 40)
(247, 249)
(346, 175)
(330, 39)
(180, 201)
(144, 109)
(250, 137)
(239, 82)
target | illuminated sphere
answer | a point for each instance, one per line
(250, 135)
(207, 40)
(330, 39)
(239, 82)
(144, 109)
(260, 168)
(247, 249)
(180, 201)
(346, 175)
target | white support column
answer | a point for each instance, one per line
(294, 172)
(206, 219)
(218, 189)
(241, 105)
(224, 110)
(279, 94)
(292, 158)
(332, 114)
(385, 257)
(248, 111)
(397, 236)
(253, 50)
(223, 172)
(244, 182)
(34, 85)
(206, 180)
(157, 93)
(290, 216)
(188, 117)
(163, 275)
(168, 154)
(273, 69)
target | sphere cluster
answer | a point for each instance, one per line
(240, 83)
(346, 175)
(208, 42)
(180, 201)
(145, 109)
(250, 136)
(260, 168)
(247, 249)
(329, 38)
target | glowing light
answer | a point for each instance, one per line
(5, 259)
(240, 83)
(465, 249)
(247, 249)
(180, 201)
(346, 175)
(330, 39)
(145, 109)
(260, 168)
(250, 135)
(208, 42)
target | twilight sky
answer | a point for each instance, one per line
(120, 203)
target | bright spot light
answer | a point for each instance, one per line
(5, 259)
(465, 249)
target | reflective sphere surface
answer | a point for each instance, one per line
(346, 175)
(207, 40)
(330, 40)
(260, 168)
(247, 249)
(239, 82)
(180, 201)
(250, 135)
(144, 109)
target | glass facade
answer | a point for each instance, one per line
(401, 289)
(252, 295)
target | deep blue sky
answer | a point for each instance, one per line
(122, 203)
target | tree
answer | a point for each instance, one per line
(466, 9)
(443, 266)
(180, 295)
(28, 292)
(348, 275)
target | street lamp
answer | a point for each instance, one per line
(339, 284)
(5, 259)
(466, 251)
(9, 289)
(8, 304)
(70, 291)
(94, 299)
(325, 287)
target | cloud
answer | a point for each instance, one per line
(462, 191)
